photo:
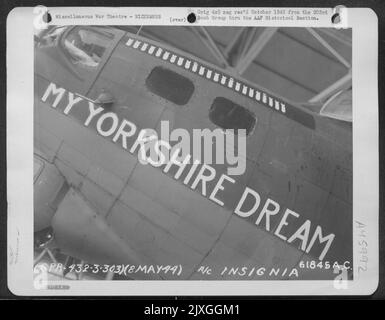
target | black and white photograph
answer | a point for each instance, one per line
(198, 152)
(277, 205)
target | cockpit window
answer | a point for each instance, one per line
(86, 47)
(50, 38)
(229, 115)
(170, 85)
(339, 106)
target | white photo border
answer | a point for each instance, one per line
(20, 97)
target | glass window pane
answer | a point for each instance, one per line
(50, 39)
(86, 47)
(170, 85)
(229, 115)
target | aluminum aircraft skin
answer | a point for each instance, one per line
(105, 207)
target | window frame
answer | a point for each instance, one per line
(252, 114)
(49, 32)
(327, 114)
(89, 78)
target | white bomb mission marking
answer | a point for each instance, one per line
(263, 210)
